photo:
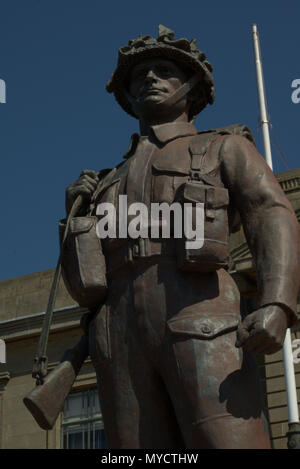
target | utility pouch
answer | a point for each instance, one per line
(211, 251)
(83, 263)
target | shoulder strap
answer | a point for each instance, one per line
(197, 148)
(200, 143)
(104, 175)
(236, 129)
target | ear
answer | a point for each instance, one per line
(192, 95)
(132, 101)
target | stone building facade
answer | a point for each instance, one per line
(22, 302)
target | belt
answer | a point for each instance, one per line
(138, 249)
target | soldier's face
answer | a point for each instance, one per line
(153, 80)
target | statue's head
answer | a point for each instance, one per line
(168, 62)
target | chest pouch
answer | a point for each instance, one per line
(83, 260)
(209, 249)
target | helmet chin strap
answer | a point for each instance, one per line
(175, 97)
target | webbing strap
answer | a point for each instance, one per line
(197, 148)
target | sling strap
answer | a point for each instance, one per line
(40, 363)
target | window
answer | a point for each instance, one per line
(82, 424)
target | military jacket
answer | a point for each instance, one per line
(156, 166)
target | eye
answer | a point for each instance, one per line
(164, 70)
(140, 73)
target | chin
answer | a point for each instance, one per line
(153, 106)
(153, 98)
(150, 104)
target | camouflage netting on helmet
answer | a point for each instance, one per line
(182, 51)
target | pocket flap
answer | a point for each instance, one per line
(81, 224)
(217, 197)
(213, 197)
(204, 327)
(194, 192)
(168, 169)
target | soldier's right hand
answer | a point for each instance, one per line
(85, 186)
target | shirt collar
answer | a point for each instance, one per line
(164, 133)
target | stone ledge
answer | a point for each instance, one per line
(31, 326)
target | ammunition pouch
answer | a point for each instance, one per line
(83, 262)
(212, 251)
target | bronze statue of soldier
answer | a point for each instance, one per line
(172, 352)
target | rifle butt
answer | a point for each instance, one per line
(46, 401)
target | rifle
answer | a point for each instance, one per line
(40, 401)
(59, 381)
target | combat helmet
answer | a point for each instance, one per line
(182, 51)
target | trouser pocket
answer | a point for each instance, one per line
(203, 327)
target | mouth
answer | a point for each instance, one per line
(152, 91)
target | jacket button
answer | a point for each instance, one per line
(205, 329)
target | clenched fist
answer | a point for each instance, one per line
(85, 186)
(264, 330)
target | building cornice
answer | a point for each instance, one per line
(28, 326)
(289, 180)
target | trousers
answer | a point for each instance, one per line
(168, 372)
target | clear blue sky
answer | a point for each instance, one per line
(56, 57)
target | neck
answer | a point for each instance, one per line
(146, 124)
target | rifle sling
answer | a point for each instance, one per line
(39, 370)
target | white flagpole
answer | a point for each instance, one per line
(293, 415)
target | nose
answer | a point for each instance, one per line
(151, 76)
